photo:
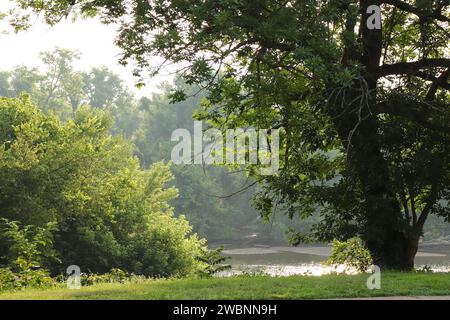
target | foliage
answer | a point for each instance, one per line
(351, 253)
(26, 248)
(204, 190)
(109, 212)
(425, 269)
(113, 276)
(252, 271)
(60, 89)
(149, 122)
(167, 249)
(214, 262)
(12, 281)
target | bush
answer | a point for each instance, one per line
(114, 276)
(23, 253)
(109, 212)
(165, 249)
(11, 281)
(213, 262)
(350, 253)
(8, 280)
(25, 248)
(424, 269)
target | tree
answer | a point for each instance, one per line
(58, 88)
(104, 88)
(149, 123)
(204, 190)
(19, 79)
(334, 80)
(108, 212)
(61, 89)
(61, 86)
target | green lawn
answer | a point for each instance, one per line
(258, 287)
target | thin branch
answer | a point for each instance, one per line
(236, 192)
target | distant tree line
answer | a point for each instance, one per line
(204, 192)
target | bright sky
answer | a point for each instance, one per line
(94, 40)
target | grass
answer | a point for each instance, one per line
(253, 287)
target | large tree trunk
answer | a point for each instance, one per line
(386, 232)
(395, 251)
(391, 240)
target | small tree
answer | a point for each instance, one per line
(350, 253)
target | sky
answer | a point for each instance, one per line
(92, 39)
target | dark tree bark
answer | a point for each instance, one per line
(392, 241)
(387, 233)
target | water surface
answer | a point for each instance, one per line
(308, 260)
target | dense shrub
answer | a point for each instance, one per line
(10, 280)
(25, 248)
(166, 248)
(105, 211)
(24, 252)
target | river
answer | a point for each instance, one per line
(308, 260)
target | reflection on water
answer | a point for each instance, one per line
(311, 269)
(285, 261)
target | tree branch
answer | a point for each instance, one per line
(413, 204)
(410, 110)
(412, 67)
(435, 15)
(429, 77)
(426, 210)
(438, 82)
